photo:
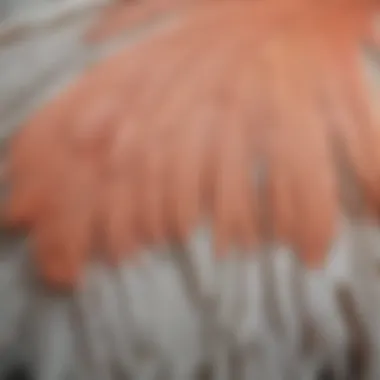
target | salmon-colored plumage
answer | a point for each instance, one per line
(124, 15)
(237, 117)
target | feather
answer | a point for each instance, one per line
(173, 131)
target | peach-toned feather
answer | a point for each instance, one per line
(235, 118)
(126, 14)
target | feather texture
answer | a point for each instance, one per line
(237, 116)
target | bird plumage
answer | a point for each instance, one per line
(226, 166)
(240, 121)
